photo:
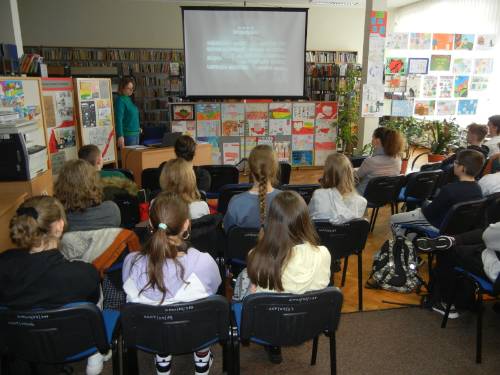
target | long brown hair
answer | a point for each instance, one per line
(338, 173)
(177, 176)
(264, 168)
(167, 216)
(392, 141)
(288, 224)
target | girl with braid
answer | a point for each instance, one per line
(248, 210)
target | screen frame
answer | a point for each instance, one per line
(233, 8)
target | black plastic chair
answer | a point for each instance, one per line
(356, 161)
(343, 240)
(306, 191)
(239, 242)
(150, 178)
(419, 187)
(129, 210)
(493, 208)
(174, 329)
(278, 319)
(226, 192)
(61, 335)
(381, 191)
(284, 172)
(221, 175)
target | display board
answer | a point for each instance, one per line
(302, 133)
(58, 102)
(96, 123)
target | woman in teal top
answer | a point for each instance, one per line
(126, 115)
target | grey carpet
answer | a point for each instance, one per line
(405, 341)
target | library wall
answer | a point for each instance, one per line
(151, 24)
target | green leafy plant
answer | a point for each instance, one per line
(412, 130)
(349, 108)
(444, 136)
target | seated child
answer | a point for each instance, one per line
(167, 270)
(338, 201)
(185, 147)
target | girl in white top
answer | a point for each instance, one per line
(338, 201)
(494, 132)
(177, 176)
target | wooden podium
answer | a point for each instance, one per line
(138, 159)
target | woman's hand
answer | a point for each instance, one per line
(120, 142)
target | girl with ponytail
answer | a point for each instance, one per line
(248, 210)
(168, 270)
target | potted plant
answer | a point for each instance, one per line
(444, 135)
(349, 111)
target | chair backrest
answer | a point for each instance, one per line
(150, 178)
(240, 241)
(421, 185)
(129, 209)
(227, 192)
(283, 319)
(343, 239)
(52, 335)
(384, 189)
(284, 172)
(356, 161)
(222, 175)
(178, 328)
(127, 172)
(464, 217)
(306, 191)
(206, 234)
(493, 208)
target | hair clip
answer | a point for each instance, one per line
(28, 211)
(162, 226)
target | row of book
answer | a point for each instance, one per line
(322, 70)
(323, 84)
(30, 63)
(172, 68)
(155, 116)
(172, 86)
(331, 57)
(148, 105)
(154, 80)
(170, 55)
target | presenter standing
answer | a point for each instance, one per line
(126, 115)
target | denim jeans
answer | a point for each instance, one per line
(131, 140)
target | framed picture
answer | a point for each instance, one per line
(396, 65)
(418, 65)
(183, 112)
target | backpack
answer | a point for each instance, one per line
(395, 267)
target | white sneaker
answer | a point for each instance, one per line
(95, 364)
(202, 364)
(163, 364)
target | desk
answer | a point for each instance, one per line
(138, 159)
(9, 202)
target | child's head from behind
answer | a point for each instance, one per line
(37, 221)
(494, 125)
(288, 224)
(338, 173)
(185, 147)
(92, 154)
(389, 139)
(468, 163)
(476, 133)
(177, 176)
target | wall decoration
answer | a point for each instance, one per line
(478, 83)
(257, 127)
(282, 149)
(420, 41)
(372, 104)
(216, 150)
(302, 127)
(184, 127)
(325, 130)
(256, 111)
(250, 143)
(445, 86)
(322, 150)
(233, 119)
(425, 107)
(467, 107)
(462, 66)
(208, 111)
(446, 107)
(302, 158)
(397, 41)
(326, 110)
(461, 86)
(396, 65)
(378, 23)
(485, 42)
(230, 153)
(304, 111)
(429, 87)
(403, 108)
(413, 86)
(440, 62)
(442, 42)
(418, 65)
(280, 118)
(183, 112)
(483, 66)
(464, 41)
(395, 83)
(207, 128)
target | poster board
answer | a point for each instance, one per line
(59, 106)
(96, 121)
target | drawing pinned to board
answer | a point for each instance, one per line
(397, 41)
(184, 127)
(440, 62)
(256, 111)
(446, 107)
(98, 136)
(280, 127)
(442, 42)
(420, 40)
(445, 86)
(280, 111)
(302, 142)
(396, 65)
(326, 110)
(230, 153)
(402, 108)
(233, 119)
(372, 101)
(418, 65)
(413, 86)
(282, 149)
(208, 112)
(325, 130)
(395, 83)
(89, 90)
(302, 127)
(304, 111)
(11, 94)
(425, 107)
(483, 66)
(479, 83)
(461, 86)
(485, 42)
(183, 112)
(257, 127)
(387, 106)
(88, 112)
(250, 143)
(429, 87)
(322, 150)
(378, 23)
(207, 128)
(103, 112)
(464, 41)
(65, 137)
(376, 48)
(302, 158)
(375, 71)
(462, 66)
(467, 107)
(268, 141)
(216, 152)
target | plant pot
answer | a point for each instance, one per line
(404, 166)
(434, 158)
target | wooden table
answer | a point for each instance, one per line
(138, 159)
(9, 202)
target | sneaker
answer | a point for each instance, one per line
(440, 307)
(440, 243)
(202, 364)
(95, 364)
(274, 354)
(163, 364)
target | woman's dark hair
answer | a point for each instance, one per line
(495, 121)
(167, 216)
(124, 82)
(392, 141)
(185, 146)
(288, 224)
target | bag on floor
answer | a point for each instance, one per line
(395, 267)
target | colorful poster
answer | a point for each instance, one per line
(420, 40)
(467, 107)
(397, 41)
(184, 127)
(413, 86)
(302, 158)
(257, 111)
(250, 143)
(207, 128)
(64, 108)
(418, 65)
(376, 48)
(461, 86)
(280, 111)
(302, 127)
(326, 110)
(395, 83)
(257, 127)
(11, 94)
(429, 87)
(325, 130)
(280, 127)
(402, 108)
(64, 138)
(483, 66)
(485, 42)
(478, 83)
(208, 112)
(282, 149)
(183, 112)
(464, 41)
(372, 101)
(88, 113)
(396, 65)
(375, 71)
(442, 42)
(216, 151)
(230, 153)
(462, 66)
(445, 86)
(378, 23)
(304, 111)
(440, 62)
(103, 107)
(269, 141)
(322, 150)
(446, 107)
(89, 90)
(302, 142)
(233, 119)
(425, 107)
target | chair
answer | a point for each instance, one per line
(306, 191)
(221, 175)
(174, 329)
(419, 187)
(226, 192)
(283, 319)
(381, 191)
(285, 170)
(356, 161)
(343, 240)
(150, 178)
(61, 335)
(493, 208)
(129, 209)
(239, 242)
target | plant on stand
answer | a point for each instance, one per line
(444, 135)
(349, 107)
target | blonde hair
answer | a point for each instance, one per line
(338, 173)
(264, 168)
(31, 226)
(177, 176)
(78, 186)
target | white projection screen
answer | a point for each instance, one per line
(244, 52)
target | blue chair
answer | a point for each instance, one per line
(419, 187)
(283, 319)
(306, 191)
(221, 175)
(226, 192)
(174, 329)
(66, 334)
(239, 242)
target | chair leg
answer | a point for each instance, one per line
(360, 281)
(374, 219)
(479, 328)
(116, 356)
(371, 219)
(449, 303)
(333, 354)
(314, 351)
(130, 365)
(235, 353)
(344, 271)
(430, 259)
